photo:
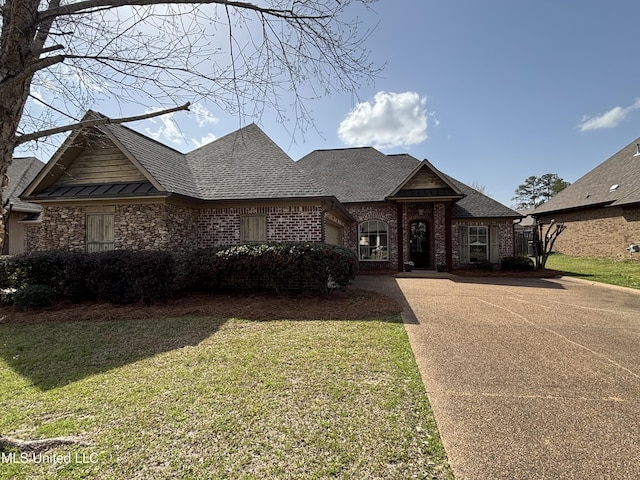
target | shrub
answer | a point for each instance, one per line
(34, 296)
(520, 264)
(124, 276)
(7, 272)
(40, 268)
(484, 265)
(275, 266)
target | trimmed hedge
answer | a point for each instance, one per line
(287, 266)
(124, 276)
(119, 277)
(520, 264)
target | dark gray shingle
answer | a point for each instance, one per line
(358, 174)
(594, 188)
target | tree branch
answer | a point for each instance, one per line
(96, 122)
(88, 5)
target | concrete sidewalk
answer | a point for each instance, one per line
(528, 378)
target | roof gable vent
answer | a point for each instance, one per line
(613, 187)
(637, 154)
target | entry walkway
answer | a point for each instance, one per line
(528, 378)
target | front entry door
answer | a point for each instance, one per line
(419, 245)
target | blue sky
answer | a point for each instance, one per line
(489, 91)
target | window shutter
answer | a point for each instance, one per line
(494, 238)
(100, 232)
(464, 244)
(253, 228)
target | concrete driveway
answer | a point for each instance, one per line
(528, 378)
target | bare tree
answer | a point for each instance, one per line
(543, 240)
(57, 59)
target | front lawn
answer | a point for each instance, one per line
(621, 272)
(205, 398)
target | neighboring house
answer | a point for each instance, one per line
(21, 214)
(601, 210)
(110, 187)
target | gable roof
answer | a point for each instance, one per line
(365, 174)
(21, 172)
(595, 188)
(168, 167)
(245, 164)
(358, 174)
(427, 183)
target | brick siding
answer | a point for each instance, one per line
(601, 232)
(384, 213)
(161, 226)
(221, 226)
(505, 232)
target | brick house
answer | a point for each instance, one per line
(110, 187)
(601, 210)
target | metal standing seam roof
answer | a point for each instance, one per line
(97, 190)
(595, 187)
(245, 164)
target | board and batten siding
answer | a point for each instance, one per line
(100, 232)
(103, 165)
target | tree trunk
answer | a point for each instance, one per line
(19, 29)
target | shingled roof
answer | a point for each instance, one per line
(245, 164)
(615, 182)
(21, 172)
(367, 175)
(357, 174)
(478, 205)
(167, 166)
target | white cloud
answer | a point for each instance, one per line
(210, 137)
(391, 120)
(609, 119)
(203, 116)
(167, 130)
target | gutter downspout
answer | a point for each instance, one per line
(517, 221)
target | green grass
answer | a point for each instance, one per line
(625, 273)
(201, 398)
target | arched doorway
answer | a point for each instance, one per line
(419, 244)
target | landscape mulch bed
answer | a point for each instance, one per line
(545, 273)
(344, 304)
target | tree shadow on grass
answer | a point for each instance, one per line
(52, 355)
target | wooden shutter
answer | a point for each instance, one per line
(464, 244)
(100, 232)
(253, 228)
(494, 239)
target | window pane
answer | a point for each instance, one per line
(373, 240)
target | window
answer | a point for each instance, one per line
(479, 244)
(374, 241)
(253, 228)
(100, 231)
